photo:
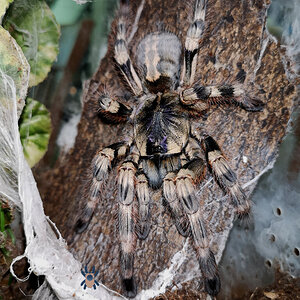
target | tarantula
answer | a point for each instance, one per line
(164, 151)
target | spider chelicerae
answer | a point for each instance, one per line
(165, 152)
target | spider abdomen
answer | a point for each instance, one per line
(158, 56)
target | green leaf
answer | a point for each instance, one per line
(14, 64)
(3, 7)
(33, 25)
(35, 129)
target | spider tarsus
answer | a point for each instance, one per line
(212, 286)
(129, 287)
(143, 231)
(81, 226)
(243, 215)
(208, 266)
(183, 228)
(83, 222)
(253, 104)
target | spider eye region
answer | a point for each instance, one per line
(157, 145)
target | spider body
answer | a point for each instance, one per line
(164, 152)
(161, 128)
(161, 131)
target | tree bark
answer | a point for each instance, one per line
(236, 45)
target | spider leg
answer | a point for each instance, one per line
(143, 196)
(126, 183)
(191, 152)
(199, 97)
(169, 190)
(113, 111)
(191, 45)
(101, 165)
(123, 60)
(82, 283)
(185, 181)
(225, 176)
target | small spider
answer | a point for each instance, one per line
(165, 151)
(89, 280)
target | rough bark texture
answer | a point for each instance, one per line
(236, 44)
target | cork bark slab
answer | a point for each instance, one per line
(236, 44)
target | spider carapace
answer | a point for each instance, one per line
(164, 151)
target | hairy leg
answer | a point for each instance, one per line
(126, 195)
(225, 176)
(185, 188)
(123, 60)
(143, 196)
(179, 191)
(199, 97)
(191, 45)
(180, 218)
(190, 157)
(101, 165)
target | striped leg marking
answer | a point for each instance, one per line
(128, 244)
(186, 193)
(192, 43)
(225, 177)
(101, 165)
(143, 196)
(112, 111)
(124, 62)
(169, 190)
(199, 94)
(126, 193)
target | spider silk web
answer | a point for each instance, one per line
(46, 250)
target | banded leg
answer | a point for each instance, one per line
(123, 60)
(101, 165)
(169, 190)
(191, 45)
(199, 97)
(126, 193)
(113, 111)
(190, 156)
(143, 196)
(185, 181)
(224, 175)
